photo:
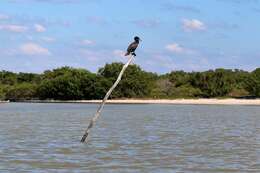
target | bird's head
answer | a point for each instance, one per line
(137, 39)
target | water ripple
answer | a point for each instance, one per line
(130, 138)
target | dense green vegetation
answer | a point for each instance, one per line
(68, 83)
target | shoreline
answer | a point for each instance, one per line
(4, 101)
(158, 101)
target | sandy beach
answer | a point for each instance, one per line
(4, 101)
(162, 101)
(183, 101)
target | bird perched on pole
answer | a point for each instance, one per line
(132, 47)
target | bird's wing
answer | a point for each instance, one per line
(132, 47)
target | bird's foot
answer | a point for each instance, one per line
(133, 54)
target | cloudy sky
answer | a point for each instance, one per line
(190, 35)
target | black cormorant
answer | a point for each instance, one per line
(132, 47)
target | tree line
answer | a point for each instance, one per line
(67, 83)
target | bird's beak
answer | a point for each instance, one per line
(140, 40)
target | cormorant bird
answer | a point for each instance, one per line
(131, 48)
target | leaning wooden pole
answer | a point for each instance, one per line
(94, 119)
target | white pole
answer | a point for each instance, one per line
(94, 119)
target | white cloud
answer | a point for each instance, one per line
(193, 25)
(87, 42)
(9, 52)
(14, 28)
(146, 23)
(174, 47)
(39, 28)
(3, 17)
(48, 39)
(162, 61)
(96, 20)
(119, 53)
(93, 59)
(33, 49)
(92, 56)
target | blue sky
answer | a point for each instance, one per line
(190, 35)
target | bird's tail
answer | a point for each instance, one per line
(127, 53)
